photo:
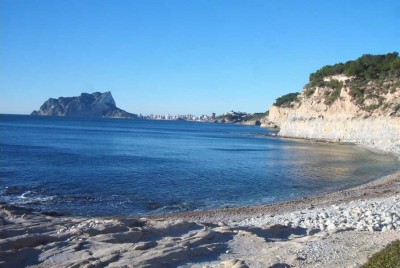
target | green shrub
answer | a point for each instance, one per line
(357, 93)
(257, 116)
(369, 73)
(385, 106)
(367, 67)
(331, 97)
(309, 91)
(286, 100)
(389, 257)
(234, 116)
(335, 84)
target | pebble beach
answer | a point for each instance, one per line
(341, 229)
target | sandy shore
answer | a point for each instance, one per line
(341, 229)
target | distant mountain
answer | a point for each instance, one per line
(86, 105)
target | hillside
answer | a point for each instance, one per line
(242, 118)
(357, 101)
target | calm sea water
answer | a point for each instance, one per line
(128, 167)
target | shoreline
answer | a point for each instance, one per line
(376, 148)
(355, 222)
(339, 229)
(217, 214)
(363, 191)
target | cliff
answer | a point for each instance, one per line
(343, 107)
(86, 105)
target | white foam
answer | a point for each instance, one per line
(24, 195)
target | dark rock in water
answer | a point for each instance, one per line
(86, 105)
(153, 206)
(52, 213)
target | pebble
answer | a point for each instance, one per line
(382, 214)
(233, 263)
(331, 227)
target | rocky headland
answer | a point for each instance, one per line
(248, 119)
(86, 105)
(357, 102)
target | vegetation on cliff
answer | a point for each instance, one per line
(257, 116)
(332, 95)
(287, 100)
(370, 76)
(238, 117)
(367, 67)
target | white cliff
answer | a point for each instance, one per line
(373, 121)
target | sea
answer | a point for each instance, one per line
(108, 167)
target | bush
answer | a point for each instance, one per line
(257, 116)
(335, 84)
(389, 257)
(366, 67)
(286, 100)
(357, 94)
(309, 91)
(331, 97)
(371, 75)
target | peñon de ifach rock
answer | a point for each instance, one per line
(86, 105)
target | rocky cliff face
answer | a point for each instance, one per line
(86, 105)
(336, 113)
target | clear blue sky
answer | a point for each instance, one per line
(181, 56)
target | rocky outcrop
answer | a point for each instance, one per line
(252, 122)
(248, 119)
(86, 105)
(372, 119)
(266, 123)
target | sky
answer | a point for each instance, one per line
(180, 57)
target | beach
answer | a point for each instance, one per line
(341, 229)
(204, 134)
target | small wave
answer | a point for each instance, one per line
(12, 195)
(15, 190)
(177, 207)
(34, 200)
(24, 195)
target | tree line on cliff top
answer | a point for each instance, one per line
(367, 67)
(364, 69)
